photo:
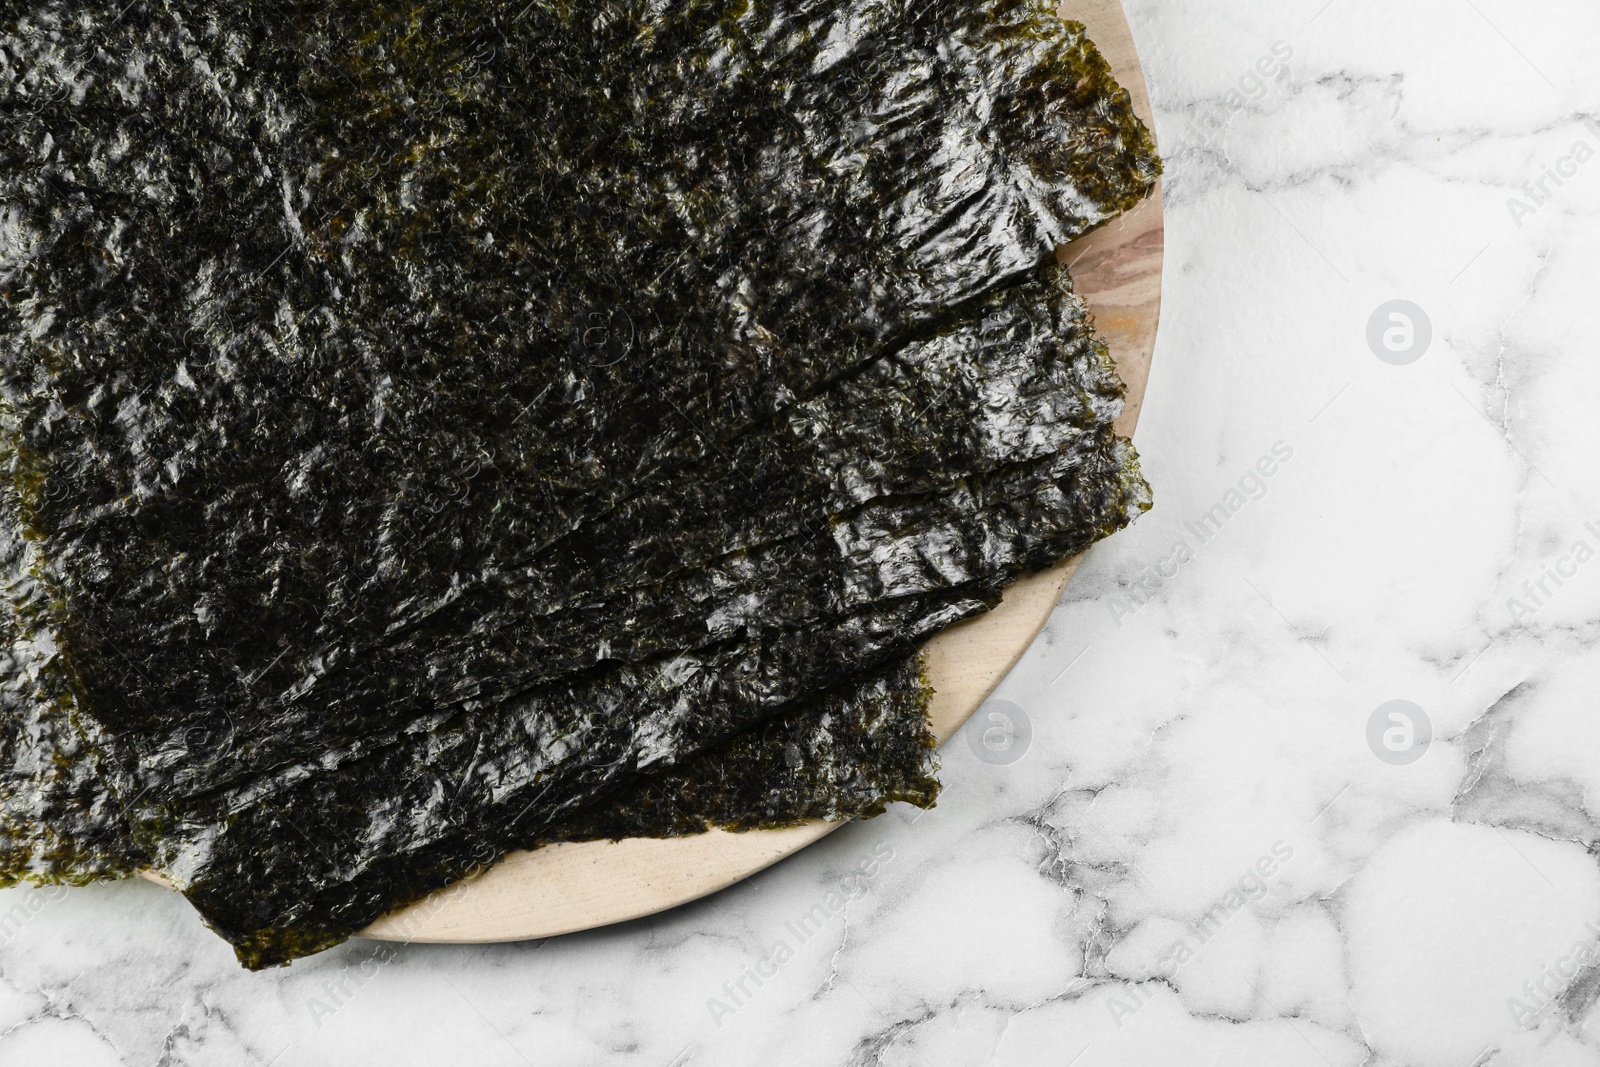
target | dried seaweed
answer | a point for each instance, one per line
(757, 536)
(849, 755)
(58, 823)
(382, 370)
(325, 325)
(1040, 383)
(474, 786)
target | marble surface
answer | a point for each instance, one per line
(1219, 839)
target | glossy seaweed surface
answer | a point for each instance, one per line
(433, 429)
(58, 821)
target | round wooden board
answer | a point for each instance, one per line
(570, 887)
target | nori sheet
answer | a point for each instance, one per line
(758, 537)
(386, 275)
(478, 784)
(58, 822)
(848, 755)
(1013, 382)
(401, 317)
(330, 814)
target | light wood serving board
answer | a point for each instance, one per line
(569, 887)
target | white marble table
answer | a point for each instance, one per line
(1218, 847)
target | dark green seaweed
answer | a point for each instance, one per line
(847, 756)
(324, 325)
(426, 307)
(480, 784)
(1028, 398)
(759, 534)
(58, 822)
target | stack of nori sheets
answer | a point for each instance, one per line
(435, 429)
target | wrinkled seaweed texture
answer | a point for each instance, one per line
(847, 756)
(470, 786)
(548, 750)
(1031, 376)
(1012, 366)
(391, 280)
(766, 536)
(58, 822)
(322, 322)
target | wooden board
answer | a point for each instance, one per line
(570, 887)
